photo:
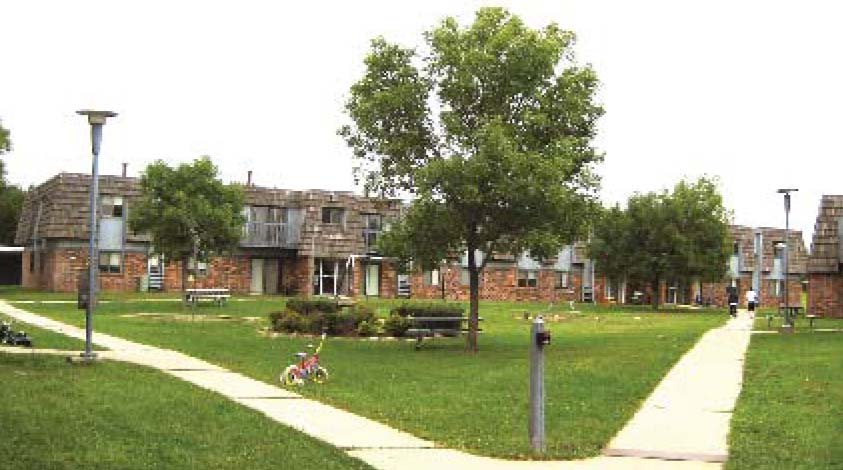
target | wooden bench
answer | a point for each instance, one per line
(431, 327)
(217, 295)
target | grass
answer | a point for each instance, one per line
(46, 339)
(114, 415)
(789, 413)
(601, 365)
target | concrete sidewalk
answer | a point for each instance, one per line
(683, 425)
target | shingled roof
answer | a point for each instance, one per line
(826, 246)
(745, 236)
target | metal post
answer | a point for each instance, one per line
(787, 315)
(96, 119)
(537, 387)
(788, 319)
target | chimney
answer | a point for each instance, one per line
(124, 169)
(249, 178)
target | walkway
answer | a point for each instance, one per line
(686, 418)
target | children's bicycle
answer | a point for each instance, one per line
(308, 368)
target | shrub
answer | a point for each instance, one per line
(367, 328)
(310, 306)
(362, 313)
(397, 326)
(428, 310)
(289, 321)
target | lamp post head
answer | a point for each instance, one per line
(96, 117)
(787, 191)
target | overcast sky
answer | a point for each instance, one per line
(750, 91)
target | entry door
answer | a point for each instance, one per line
(270, 276)
(373, 278)
(256, 286)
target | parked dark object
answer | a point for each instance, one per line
(13, 338)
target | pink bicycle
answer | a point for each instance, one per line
(308, 368)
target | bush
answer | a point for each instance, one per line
(428, 310)
(289, 321)
(397, 326)
(367, 328)
(310, 306)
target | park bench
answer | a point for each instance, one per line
(217, 295)
(431, 327)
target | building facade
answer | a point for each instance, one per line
(758, 262)
(294, 242)
(825, 266)
(568, 276)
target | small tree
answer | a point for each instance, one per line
(11, 196)
(188, 212)
(660, 236)
(491, 132)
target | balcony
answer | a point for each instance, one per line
(270, 235)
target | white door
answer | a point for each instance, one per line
(256, 286)
(373, 277)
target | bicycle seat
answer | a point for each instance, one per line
(301, 355)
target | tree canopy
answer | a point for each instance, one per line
(490, 130)
(679, 235)
(11, 196)
(187, 211)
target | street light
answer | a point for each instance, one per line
(788, 321)
(96, 119)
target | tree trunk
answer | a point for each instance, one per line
(474, 302)
(654, 285)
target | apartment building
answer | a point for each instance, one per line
(825, 266)
(310, 242)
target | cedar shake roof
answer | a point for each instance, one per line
(58, 209)
(745, 237)
(826, 250)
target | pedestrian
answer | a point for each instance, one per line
(733, 301)
(751, 301)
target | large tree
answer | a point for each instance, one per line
(683, 235)
(188, 212)
(11, 196)
(490, 130)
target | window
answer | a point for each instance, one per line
(372, 225)
(328, 277)
(200, 269)
(431, 278)
(465, 278)
(562, 280)
(333, 215)
(527, 278)
(111, 206)
(110, 262)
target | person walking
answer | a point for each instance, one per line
(751, 301)
(733, 301)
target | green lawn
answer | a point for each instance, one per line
(115, 415)
(46, 339)
(789, 413)
(601, 365)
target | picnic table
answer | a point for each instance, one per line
(218, 295)
(431, 327)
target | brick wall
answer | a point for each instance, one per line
(498, 283)
(825, 295)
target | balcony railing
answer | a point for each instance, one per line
(271, 235)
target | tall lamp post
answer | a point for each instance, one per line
(788, 320)
(96, 119)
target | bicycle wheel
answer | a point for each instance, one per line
(320, 375)
(290, 376)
